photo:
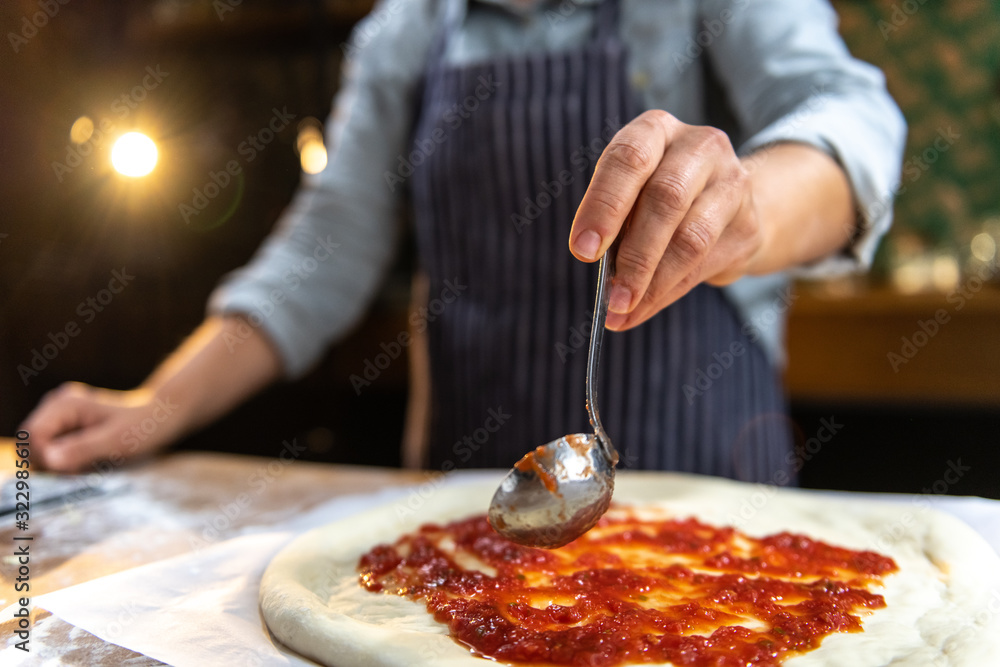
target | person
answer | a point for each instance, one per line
(512, 127)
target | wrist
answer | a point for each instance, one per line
(758, 261)
(170, 409)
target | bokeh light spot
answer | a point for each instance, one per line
(313, 158)
(312, 149)
(984, 247)
(134, 155)
(82, 130)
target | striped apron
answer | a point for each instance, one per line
(509, 147)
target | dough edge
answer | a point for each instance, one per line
(960, 626)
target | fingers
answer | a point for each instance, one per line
(690, 221)
(683, 193)
(665, 201)
(75, 451)
(701, 250)
(69, 424)
(623, 169)
(60, 411)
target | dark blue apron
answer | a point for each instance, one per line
(514, 142)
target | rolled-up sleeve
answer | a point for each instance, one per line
(791, 79)
(316, 273)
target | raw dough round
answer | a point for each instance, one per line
(943, 606)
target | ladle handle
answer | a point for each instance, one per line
(605, 272)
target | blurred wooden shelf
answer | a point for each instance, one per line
(882, 346)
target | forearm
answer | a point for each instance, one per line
(804, 205)
(223, 363)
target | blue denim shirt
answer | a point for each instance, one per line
(782, 66)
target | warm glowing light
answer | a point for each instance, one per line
(945, 273)
(911, 277)
(82, 130)
(310, 129)
(984, 247)
(312, 150)
(134, 155)
(313, 158)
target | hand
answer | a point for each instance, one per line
(690, 214)
(221, 364)
(76, 424)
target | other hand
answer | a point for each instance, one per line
(76, 424)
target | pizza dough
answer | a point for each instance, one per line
(943, 606)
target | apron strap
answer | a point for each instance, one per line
(454, 16)
(606, 22)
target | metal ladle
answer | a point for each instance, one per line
(559, 491)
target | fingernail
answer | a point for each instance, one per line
(587, 244)
(615, 320)
(620, 299)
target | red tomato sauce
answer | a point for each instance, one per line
(530, 461)
(632, 591)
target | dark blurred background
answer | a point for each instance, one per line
(199, 77)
